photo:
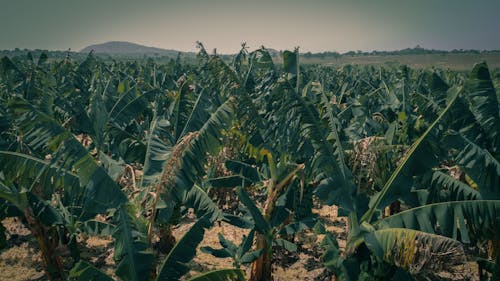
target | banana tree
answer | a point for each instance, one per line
(271, 224)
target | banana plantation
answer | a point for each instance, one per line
(134, 151)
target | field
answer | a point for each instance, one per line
(459, 62)
(357, 168)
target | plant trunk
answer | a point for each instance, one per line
(261, 268)
(165, 245)
(167, 239)
(53, 265)
(494, 254)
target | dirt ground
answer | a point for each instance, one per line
(22, 261)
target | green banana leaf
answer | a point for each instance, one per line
(461, 220)
(175, 264)
(132, 253)
(83, 271)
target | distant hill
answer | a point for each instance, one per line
(125, 48)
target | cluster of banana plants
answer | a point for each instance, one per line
(125, 149)
(446, 182)
(73, 137)
(411, 160)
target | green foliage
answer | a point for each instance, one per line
(134, 259)
(75, 136)
(241, 254)
(460, 220)
(83, 271)
(175, 264)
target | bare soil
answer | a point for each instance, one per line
(21, 260)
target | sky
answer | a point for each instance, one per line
(312, 25)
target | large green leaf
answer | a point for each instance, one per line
(261, 225)
(158, 148)
(445, 188)
(175, 264)
(44, 211)
(424, 255)
(129, 105)
(99, 117)
(12, 195)
(334, 136)
(202, 204)
(181, 109)
(480, 95)
(42, 133)
(208, 140)
(246, 170)
(228, 181)
(25, 170)
(199, 114)
(83, 271)
(478, 164)
(461, 220)
(132, 253)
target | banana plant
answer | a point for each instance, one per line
(241, 254)
(269, 225)
(136, 262)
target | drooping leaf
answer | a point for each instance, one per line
(158, 149)
(218, 253)
(260, 223)
(199, 114)
(83, 271)
(175, 264)
(478, 164)
(228, 181)
(480, 95)
(95, 227)
(421, 254)
(202, 204)
(129, 105)
(250, 256)
(99, 117)
(461, 220)
(183, 105)
(446, 188)
(25, 169)
(132, 253)
(206, 140)
(43, 133)
(335, 182)
(249, 172)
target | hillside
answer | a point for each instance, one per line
(125, 48)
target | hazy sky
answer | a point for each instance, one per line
(314, 25)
